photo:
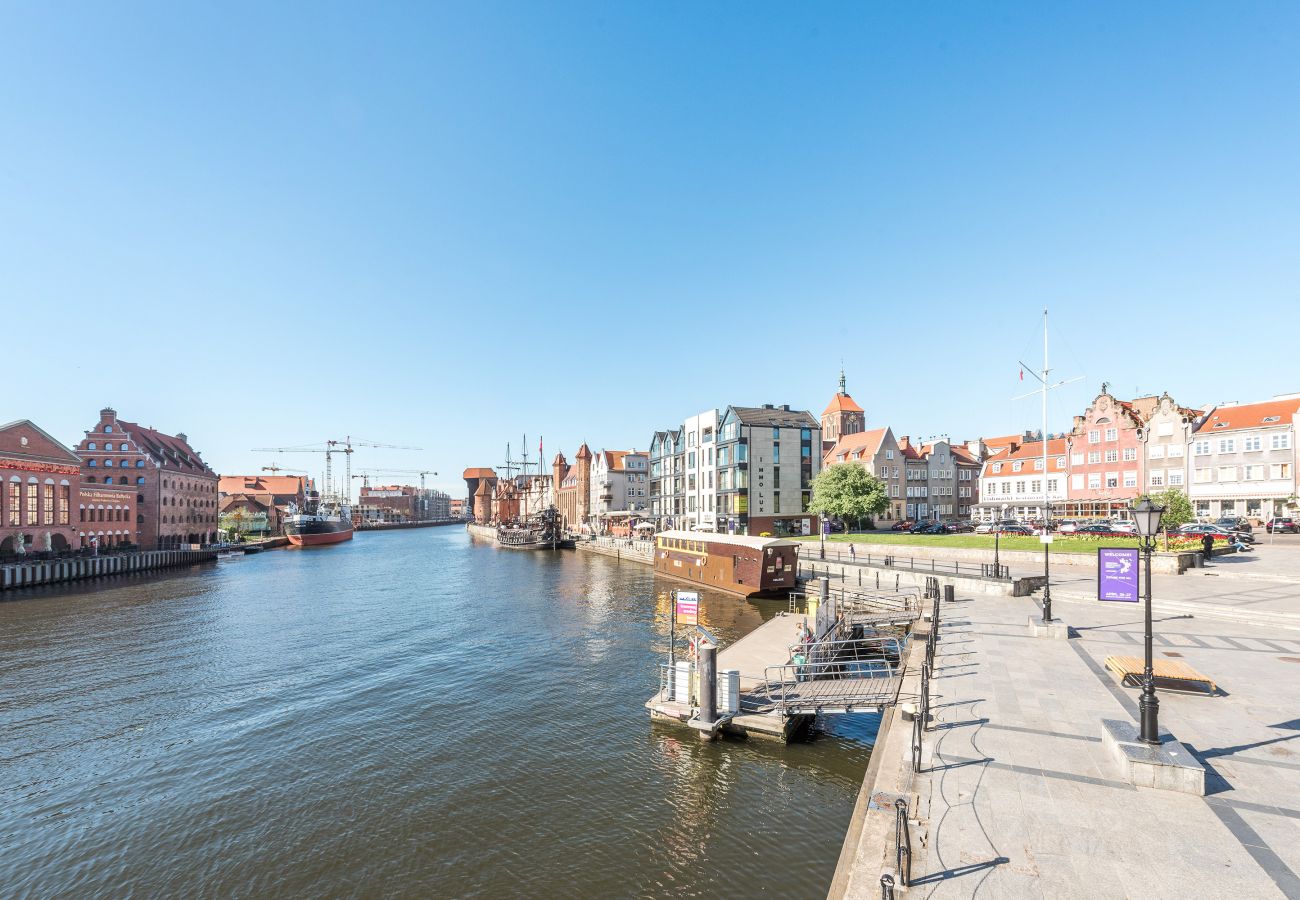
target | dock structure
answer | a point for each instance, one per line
(841, 654)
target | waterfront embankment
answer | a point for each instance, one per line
(53, 571)
(1018, 792)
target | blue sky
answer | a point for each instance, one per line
(446, 225)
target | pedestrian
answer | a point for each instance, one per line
(1207, 546)
(853, 553)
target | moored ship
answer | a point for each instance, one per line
(323, 522)
(544, 532)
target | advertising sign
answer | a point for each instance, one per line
(688, 608)
(1117, 574)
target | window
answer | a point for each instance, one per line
(1006, 487)
(889, 454)
(1036, 486)
(1094, 457)
(1227, 445)
(1051, 485)
(1112, 434)
(1076, 459)
(997, 467)
(139, 463)
(1280, 441)
(108, 462)
(1204, 476)
(1282, 470)
(1156, 451)
(1020, 487)
(1253, 473)
(1201, 448)
(1175, 450)
(1015, 467)
(1094, 480)
(1227, 473)
(1130, 454)
(1175, 476)
(31, 505)
(91, 445)
(65, 498)
(15, 502)
(1130, 479)
(1252, 442)
(1112, 456)
(1038, 465)
(805, 434)
(1094, 437)
(1060, 462)
(1158, 478)
(108, 429)
(47, 504)
(776, 433)
(1076, 482)
(91, 463)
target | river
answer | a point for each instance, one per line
(414, 713)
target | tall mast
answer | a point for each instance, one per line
(1047, 514)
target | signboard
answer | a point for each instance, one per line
(1117, 574)
(826, 526)
(688, 608)
(1045, 538)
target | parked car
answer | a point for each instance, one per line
(935, 528)
(1283, 525)
(1219, 534)
(985, 528)
(1012, 528)
(1232, 523)
(1067, 526)
(904, 525)
(1125, 527)
(1095, 528)
(962, 527)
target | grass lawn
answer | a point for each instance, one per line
(1062, 543)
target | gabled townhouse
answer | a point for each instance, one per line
(967, 460)
(1165, 444)
(1243, 460)
(877, 451)
(1105, 464)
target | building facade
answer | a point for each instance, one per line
(699, 472)
(1243, 460)
(767, 458)
(878, 452)
(841, 418)
(668, 478)
(1014, 485)
(176, 492)
(619, 483)
(1105, 458)
(40, 479)
(272, 497)
(573, 489)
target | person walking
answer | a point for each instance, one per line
(853, 553)
(1207, 546)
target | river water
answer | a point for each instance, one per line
(414, 713)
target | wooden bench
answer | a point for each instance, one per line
(1176, 675)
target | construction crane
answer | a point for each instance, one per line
(329, 471)
(273, 468)
(345, 447)
(421, 473)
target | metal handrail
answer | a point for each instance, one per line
(916, 744)
(903, 841)
(859, 671)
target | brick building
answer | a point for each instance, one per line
(106, 516)
(263, 499)
(39, 477)
(573, 488)
(176, 492)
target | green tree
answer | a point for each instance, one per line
(1178, 509)
(848, 491)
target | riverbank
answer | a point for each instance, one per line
(54, 571)
(1019, 793)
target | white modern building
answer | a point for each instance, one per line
(620, 482)
(1014, 485)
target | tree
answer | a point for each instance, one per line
(848, 491)
(1178, 509)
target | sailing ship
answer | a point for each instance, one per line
(323, 521)
(542, 532)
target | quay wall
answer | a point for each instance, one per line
(483, 531)
(620, 548)
(1171, 563)
(396, 526)
(53, 571)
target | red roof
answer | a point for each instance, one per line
(479, 472)
(266, 484)
(1250, 415)
(1028, 451)
(169, 449)
(866, 443)
(842, 403)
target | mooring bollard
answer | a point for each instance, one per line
(708, 663)
(949, 593)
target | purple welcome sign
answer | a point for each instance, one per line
(1117, 574)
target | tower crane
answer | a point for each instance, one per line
(329, 484)
(273, 468)
(345, 447)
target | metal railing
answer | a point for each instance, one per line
(830, 675)
(667, 674)
(903, 841)
(908, 563)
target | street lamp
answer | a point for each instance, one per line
(1146, 517)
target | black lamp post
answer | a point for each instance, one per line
(1046, 538)
(1146, 517)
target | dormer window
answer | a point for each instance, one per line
(997, 467)
(1015, 467)
(1220, 424)
(108, 429)
(1272, 419)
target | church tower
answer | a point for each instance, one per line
(843, 416)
